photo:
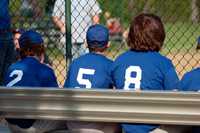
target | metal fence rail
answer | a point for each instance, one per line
(176, 108)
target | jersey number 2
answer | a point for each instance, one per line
(18, 74)
(83, 81)
(133, 80)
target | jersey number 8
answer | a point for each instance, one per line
(129, 80)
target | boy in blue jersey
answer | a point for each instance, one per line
(30, 72)
(190, 82)
(92, 71)
(143, 67)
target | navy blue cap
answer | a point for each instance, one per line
(30, 38)
(97, 35)
(198, 40)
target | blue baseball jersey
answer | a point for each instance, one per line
(190, 81)
(29, 72)
(4, 15)
(89, 71)
(143, 71)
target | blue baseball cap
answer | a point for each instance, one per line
(97, 35)
(30, 38)
(198, 40)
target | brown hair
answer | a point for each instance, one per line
(97, 49)
(146, 33)
(34, 50)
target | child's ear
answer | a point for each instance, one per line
(41, 58)
(86, 45)
(108, 45)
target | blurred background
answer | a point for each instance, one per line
(181, 19)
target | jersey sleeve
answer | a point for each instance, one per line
(171, 79)
(48, 78)
(183, 83)
(6, 78)
(110, 69)
(66, 85)
(67, 81)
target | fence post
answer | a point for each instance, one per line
(68, 30)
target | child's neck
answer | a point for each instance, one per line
(101, 53)
(40, 59)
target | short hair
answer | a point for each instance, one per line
(146, 33)
(31, 50)
(97, 49)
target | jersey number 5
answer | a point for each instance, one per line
(129, 80)
(18, 74)
(83, 81)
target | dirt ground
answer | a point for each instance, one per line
(185, 61)
(59, 65)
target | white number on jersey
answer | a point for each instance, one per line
(83, 81)
(133, 80)
(18, 74)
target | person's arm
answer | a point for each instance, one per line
(183, 84)
(171, 79)
(58, 22)
(95, 11)
(57, 15)
(47, 77)
(96, 19)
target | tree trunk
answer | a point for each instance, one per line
(131, 5)
(195, 11)
(147, 6)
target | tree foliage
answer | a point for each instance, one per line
(169, 10)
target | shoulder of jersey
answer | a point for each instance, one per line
(45, 68)
(122, 55)
(16, 64)
(109, 60)
(193, 72)
(85, 57)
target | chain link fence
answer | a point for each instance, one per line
(180, 17)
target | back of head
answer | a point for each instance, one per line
(146, 33)
(31, 44)
(97, 38)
